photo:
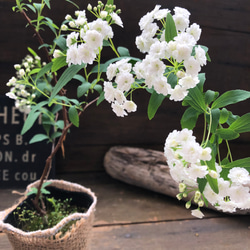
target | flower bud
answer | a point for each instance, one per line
(213, 174)
(188, 204)
(179, 196)
(197, 194)
(103, 14)
(72, 24)
(182, 187)
(21, 72)
(77, 13)
(180, 74)
(201, 203)
(64, 27)
(57, 53)
(17, 66)
(68, 17)
(185, 195)
(89, 7)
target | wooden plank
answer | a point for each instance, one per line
(219, 234)
(128, 217)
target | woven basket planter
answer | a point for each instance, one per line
(77, 238)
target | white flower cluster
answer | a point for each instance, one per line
(121, 71)
(86, 41)
(233, 193)
(20, 91)
(184, 156)
(179, 52)
(181, 58)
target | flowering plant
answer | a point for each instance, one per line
(170, 69)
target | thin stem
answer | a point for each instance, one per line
(229, 151)
(51, 156)
(113, 47)
(209, 128)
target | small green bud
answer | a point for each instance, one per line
(197, 194)
(64, 27)
(179, 196)
(17, 66)
(188, 204)
(89, 7)
(182, 187)
(201, 203)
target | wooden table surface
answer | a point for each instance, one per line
(128, 218)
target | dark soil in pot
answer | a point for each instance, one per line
(67, 201)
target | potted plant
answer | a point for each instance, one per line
(62, 212)
(170, 69)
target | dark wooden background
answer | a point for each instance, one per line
(226, 31)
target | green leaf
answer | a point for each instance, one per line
(242, 124)
(38, 6)
(98, 88)
(155, 102)
(210, 96)
(241, 163)
(83, 88)
(73, 116)
(213, 183)
(58, 63)
(32, 52)
(123, 51)
(45, 191)
(47, 2)
(202, 79)
(67, 75)
(46, 122)
(215, 119)
(60, 124)
(227, 133)
(69, 1)
(201, 184)
(61, 42)
(79, 78)
(110, 2)
(170, 28)
(29, 122)
(189, 118)
(31, 7)
(51, 25)
(32, 116)
(33, 190)
(196, 100)
(38, 138)
(56, 109)
(231, 97)
(224, 115)
(44, 70)
(100, 99)
(56, 135)
(232, 118)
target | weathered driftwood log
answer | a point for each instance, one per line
(144, 168)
